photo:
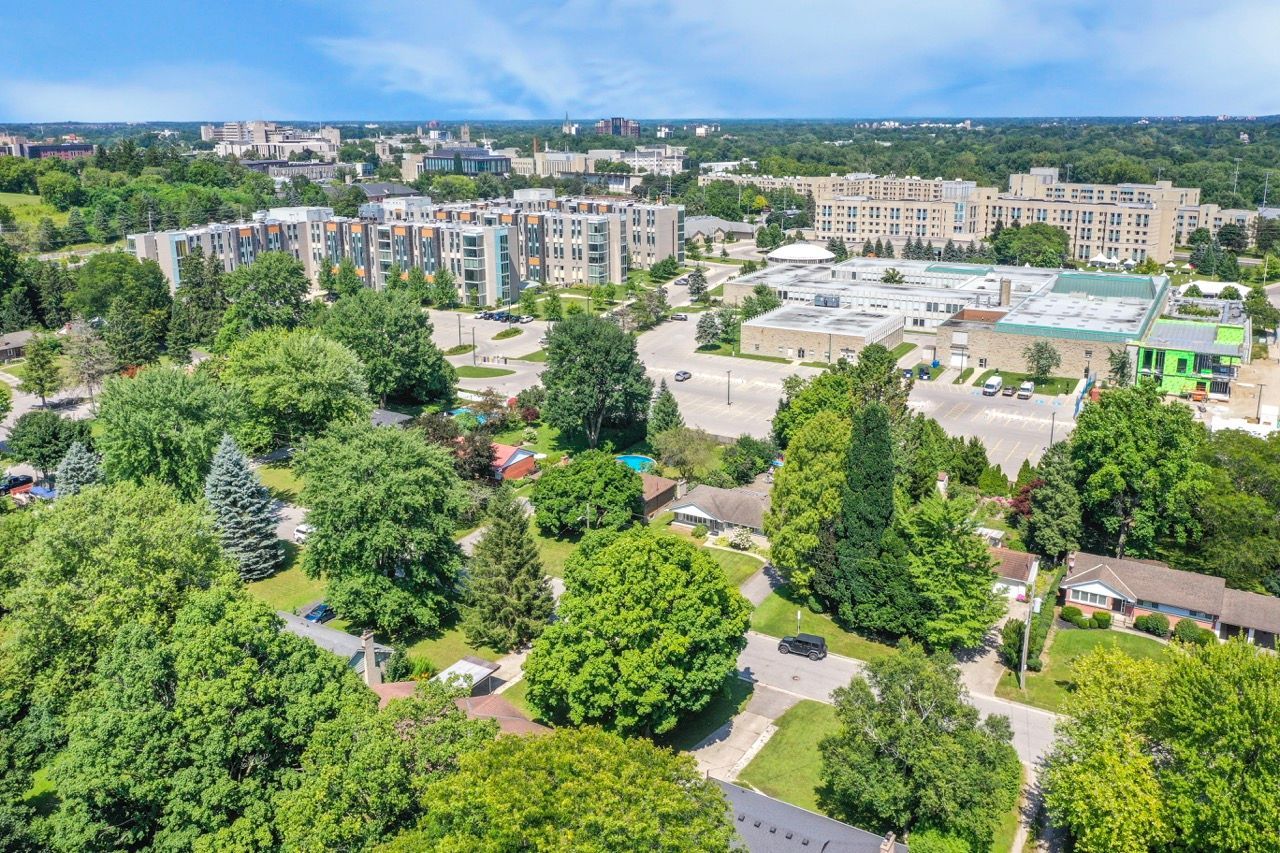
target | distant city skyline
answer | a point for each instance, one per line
(393, 60)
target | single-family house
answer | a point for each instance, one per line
(722, 509)
(1015, 571)
(473, 672)
(386, 417)
(658, 492)
(1132, 588)
(512, 463)
(358, 652)
(766, 825)
(14, 345)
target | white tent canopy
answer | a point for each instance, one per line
(1099, 259)
(1130, 262)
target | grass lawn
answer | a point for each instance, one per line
(518, 695)
(30, 209)
(776, 616)
(727, 703)
(902, 349)
(540, 355)
(281, 480)
(1053, 385)
(554, 552)
(933, 371)
(963, 377)
(447, 647)
(508, 333)
(1049, 688)
(723, 348)
(737, 566)
(468, 371)
(789, 767)
(18, 369)
(821, 365)
(288, 589)
(459, 349)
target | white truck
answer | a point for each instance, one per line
(992, 386)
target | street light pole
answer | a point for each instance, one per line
(1258, 414)
(459, 328)
(473, 346)
(728, 379)
(1053, 422)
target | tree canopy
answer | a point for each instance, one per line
(593, 378)
(593, 491)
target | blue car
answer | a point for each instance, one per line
(320, 613)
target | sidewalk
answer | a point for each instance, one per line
(726, 751)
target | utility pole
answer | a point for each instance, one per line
(473, 346)
(1026, 642)
(728, 379)
(1235, 177)
(459, 328)
(1266, 184)
(1053, 422)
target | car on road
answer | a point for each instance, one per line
(809, 645)
(14, 481)
(485, 315)
(301, 532)
(683, 375)
(679, 316)
(906, 373)
(1008, 391)
(320, 613)
(1025, 390)
(526, 319)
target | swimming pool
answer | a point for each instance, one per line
(636, 462)
(453, 413)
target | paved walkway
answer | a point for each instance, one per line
(730, 748)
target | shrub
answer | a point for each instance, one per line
(741, 539)
(1082, 621)
(1153, 623)
(1034, 664)
(1070, 614)
(1011, 642)
(530, 435)
(529, 414)
(1188, 632)
(700, 531)
(399, 666)
(1102, 619)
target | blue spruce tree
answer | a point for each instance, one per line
(243, 511)
(79, 467)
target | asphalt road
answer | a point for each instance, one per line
(760, 662)
(1011, 429)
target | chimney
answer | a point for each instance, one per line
(888, 846)
(943, 480)
(1006, 292)
(372, 675)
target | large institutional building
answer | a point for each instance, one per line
(1117, 221)
(492, 248)
(266, 139)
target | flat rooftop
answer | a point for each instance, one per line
(828, 321)
(923, 278)
(1079, 316)
(1208, 338)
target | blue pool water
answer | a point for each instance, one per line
(453, 413)
(636, 462)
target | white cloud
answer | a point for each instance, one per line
(170, 93)
(818, 57)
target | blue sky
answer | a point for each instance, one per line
(386, 59)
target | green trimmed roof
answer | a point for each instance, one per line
(1106, 286)
(967, 269)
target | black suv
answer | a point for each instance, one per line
(810, 645)
(14, 481)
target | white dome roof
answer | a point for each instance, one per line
(801, 253)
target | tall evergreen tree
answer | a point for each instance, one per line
(878, 249)
(866, 513)
(79, 467)
(664, 414)
(198, 305)
(867, 248)
(508, 598)
(75, 230)
(127, 335)
(1055, 525)
(243, 511)
(888, 248)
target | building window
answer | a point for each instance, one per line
(1088, 353)
(982, 363)
(1092, 598)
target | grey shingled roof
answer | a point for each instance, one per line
(739, 507)
(1251, 610)
(1150, 582)
(766, 825)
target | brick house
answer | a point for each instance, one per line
(511, 463)
(1131, 588)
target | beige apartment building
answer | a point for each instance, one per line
(492, 248)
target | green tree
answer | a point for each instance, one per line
(1258, 307)
(664, 414)
(676, 629)
(90, 359)
(911, 754)
(592, 492)
(807, 499)
(583, 789)
(244, 513)
(708, 331)
(1138, 476)
(363, 774)
(664, 269)
(347, 200)
(553, 308)
(1042, 359)
(1230, 292)
(951, 569)
(108, 276)
(593, 378)
(508, 598)
(43, 437)
(79, 468)
(761, 300)
(1119, 367)
(698, 285)
(268, 292)
(59, 189)
(1039, 244)
(347, 281)
(163, 424)
(853, 589)
(892, 276)
(417, 286)
(1054, 527)
(690, 451)
(444, 290)
(198, 305)
(194, 754)
(528, 303)
(391, 335)
(75, 231)
(383, 504)
(294, 384)
(131, 340)
(42, 375)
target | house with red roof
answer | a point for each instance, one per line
(512, 463)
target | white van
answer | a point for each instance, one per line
(1025, 390)
(992, 386)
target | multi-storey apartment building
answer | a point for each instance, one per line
(15, 145)
(617, 126)
(492, 248)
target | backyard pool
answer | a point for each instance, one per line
(636, 462)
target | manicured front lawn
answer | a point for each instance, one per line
(963, 377)
(724, 348)
(1050, 687)
(789, 768)
(728, 702)
(468, 371)
(281, 480)
(288, 589)
(902, 349)
(447, 647)
(554, 552)
(776, 616)
(18, 369)
(1053, 385)
(738, 566)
